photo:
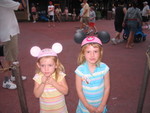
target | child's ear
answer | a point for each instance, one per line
(38, 65)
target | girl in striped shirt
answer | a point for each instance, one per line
(92, 78)
(49, 82)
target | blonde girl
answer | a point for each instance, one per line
(92, 78)
(49, 83)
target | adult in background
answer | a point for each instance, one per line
(51, 10)
(81, 20)
(86, 13)
(120, 11)
(58, 13)
(9, 30)
(133, 18)
(145, 13)
(34, 13)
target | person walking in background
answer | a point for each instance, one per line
(120, 11)
(80, 17)
(92, 77)
(85, 15)
(51, 10)
(145, 13)
(34, 13)
(49, 82)
(133, 19)
(9, 30)
(92, 19)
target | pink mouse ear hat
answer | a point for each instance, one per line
(91, 39)
(35, 51)
(46, 52)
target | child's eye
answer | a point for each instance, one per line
(96, 51)
(50, 65)
(42, 65)
(87, 51)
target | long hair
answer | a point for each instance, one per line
(60, 67)
(81, 57)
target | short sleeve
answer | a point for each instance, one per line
(61, 76)
(105, 69)
(80, 70)
(37, 78)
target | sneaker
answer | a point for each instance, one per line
(119, 40)
(95, 33)
(113, 40)
(12, 78)
(9, 85)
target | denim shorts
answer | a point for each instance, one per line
(132, 25)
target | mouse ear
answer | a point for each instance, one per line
(104, 36)
(34, 51)
(57, 47)
(79, 36)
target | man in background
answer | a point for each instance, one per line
(9, 30)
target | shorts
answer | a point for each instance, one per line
(91, 24)
(145, 18)
(11, 49)
(132, 25)
(51, 18)
(85, 20)
(118, 27)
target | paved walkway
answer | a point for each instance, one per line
(127, 67)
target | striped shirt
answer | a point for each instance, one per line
(51, 101)
(92, 85)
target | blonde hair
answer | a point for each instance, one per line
(60, 67)
(81, 57)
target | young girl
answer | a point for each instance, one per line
(50, 85)
(92, 78)
(92, 20)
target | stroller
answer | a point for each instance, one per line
(138, 37)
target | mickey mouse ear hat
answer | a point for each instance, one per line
(35, 51)
(91, 39)
(103, 36)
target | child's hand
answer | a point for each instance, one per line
(50, 80)
(91, 109)
(100, 109)
(44, 79)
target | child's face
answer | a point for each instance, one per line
(47, 66)
(92, 54)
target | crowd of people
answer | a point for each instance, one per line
(57, 13)
(131, 18)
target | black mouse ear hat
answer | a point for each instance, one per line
(103, 36)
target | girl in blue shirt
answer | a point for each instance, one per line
(92, 78)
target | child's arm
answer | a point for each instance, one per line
(106, 93)
(39, 88)
(81, 95)
(60, 86)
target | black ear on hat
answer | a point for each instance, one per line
(79, 37)
(104, 36)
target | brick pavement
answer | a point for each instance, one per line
(127, 67)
